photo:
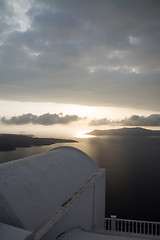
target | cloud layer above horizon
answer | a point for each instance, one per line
(49, 119)
(44, 119)
(104, 52)
(150, 121)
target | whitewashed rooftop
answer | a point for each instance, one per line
(55, 195)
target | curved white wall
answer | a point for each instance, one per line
(34, 188)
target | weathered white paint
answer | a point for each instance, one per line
(99, 200)
(53, 192)
(80, 212)
(37, 186)
(8, 232)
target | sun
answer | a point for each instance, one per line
(82, 134)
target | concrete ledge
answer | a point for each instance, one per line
(78, 234)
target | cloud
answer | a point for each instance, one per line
(134, 120)
(92, 52)
(45, 119)
(98, 122)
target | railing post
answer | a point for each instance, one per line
(113, 222)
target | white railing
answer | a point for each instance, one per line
(132, 226)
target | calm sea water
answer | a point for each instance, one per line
(133, 172)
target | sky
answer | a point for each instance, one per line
(70, 66)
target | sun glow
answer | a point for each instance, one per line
(82, 134)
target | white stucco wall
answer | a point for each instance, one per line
(33, 188)
(8, 232)
(85, 210)
(52, 193)
(100, 200)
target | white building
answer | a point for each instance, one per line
(55, 195)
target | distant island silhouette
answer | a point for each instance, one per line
(126, 132)
(9, 142)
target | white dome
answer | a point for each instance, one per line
(32, 189)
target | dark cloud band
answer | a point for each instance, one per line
(134, 120)
(45, 119)
(104, 52)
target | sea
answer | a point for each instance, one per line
(132, 172)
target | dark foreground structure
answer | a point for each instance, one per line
(55, 195)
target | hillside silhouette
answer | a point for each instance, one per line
(10, 142)
(126, 132)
